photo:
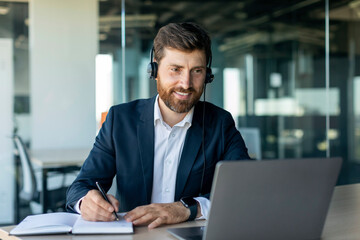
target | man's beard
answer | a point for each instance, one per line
(177, 105)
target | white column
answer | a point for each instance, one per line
(63, 46)
(7, 178)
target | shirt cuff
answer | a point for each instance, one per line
(204, 206)
(77, 206)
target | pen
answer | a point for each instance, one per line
(105, 197)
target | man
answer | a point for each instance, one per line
(154, 146)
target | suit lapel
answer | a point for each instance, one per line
(145, 133)
(191, 148)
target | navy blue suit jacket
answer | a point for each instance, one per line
(125, 147)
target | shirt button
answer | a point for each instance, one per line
(173, 135)
(168, 162)
(167, 190)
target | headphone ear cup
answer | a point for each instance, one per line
(155, 67)
(152, 69)
(149, 70)
(209, 76)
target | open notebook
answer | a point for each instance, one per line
(62, 222)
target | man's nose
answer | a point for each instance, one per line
(185, 80)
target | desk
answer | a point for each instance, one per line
(342, 222)
(55, 160)
(343, 218)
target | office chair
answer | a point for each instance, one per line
(28, 192)
(103, 118)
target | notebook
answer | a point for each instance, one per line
(268, 199)
(62, 222)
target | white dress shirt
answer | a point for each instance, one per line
(169, 143)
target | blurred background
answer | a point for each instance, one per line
(288, 71)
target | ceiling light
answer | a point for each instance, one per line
(240, 15)
(4, 10)
(148, 3)
(354, 4)
(103, 36)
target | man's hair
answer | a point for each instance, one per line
(184, 37)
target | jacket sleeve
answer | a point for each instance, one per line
(99, 166)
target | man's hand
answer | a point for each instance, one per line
(94, 207)
(157, 214)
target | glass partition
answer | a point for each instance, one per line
(344, 67)
(14, 20)
(14, 95)
(269, 61)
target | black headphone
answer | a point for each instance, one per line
(152, 69)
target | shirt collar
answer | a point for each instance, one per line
(158, 117)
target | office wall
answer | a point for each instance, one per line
(6, 126)
(63, 46)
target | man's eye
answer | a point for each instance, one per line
(198, 70)
(174, 69)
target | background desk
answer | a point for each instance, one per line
(342, 222)
(57, 160)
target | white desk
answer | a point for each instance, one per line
(50, 158)
(55, 160)
(342, 222)
(343, 219)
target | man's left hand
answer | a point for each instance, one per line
(157, 214)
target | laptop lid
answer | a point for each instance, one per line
(271, 199)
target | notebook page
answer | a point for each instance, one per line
(82, 226)
(48, 223)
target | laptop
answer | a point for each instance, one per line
(268, 199)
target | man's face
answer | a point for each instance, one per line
(181, 77)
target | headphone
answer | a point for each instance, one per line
(152, 69)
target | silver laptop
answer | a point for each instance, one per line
(269, 199)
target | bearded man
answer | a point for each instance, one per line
(162, 150)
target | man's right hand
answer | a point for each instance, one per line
(94, 207)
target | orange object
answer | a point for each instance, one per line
(103, 117)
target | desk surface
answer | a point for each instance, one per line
(343, 218)
(342, 221)
(141, 233)
(47, 158)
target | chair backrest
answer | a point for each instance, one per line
(103, 118)
(252, 140)
(29, 188)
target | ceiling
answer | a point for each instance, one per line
(236, 26)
